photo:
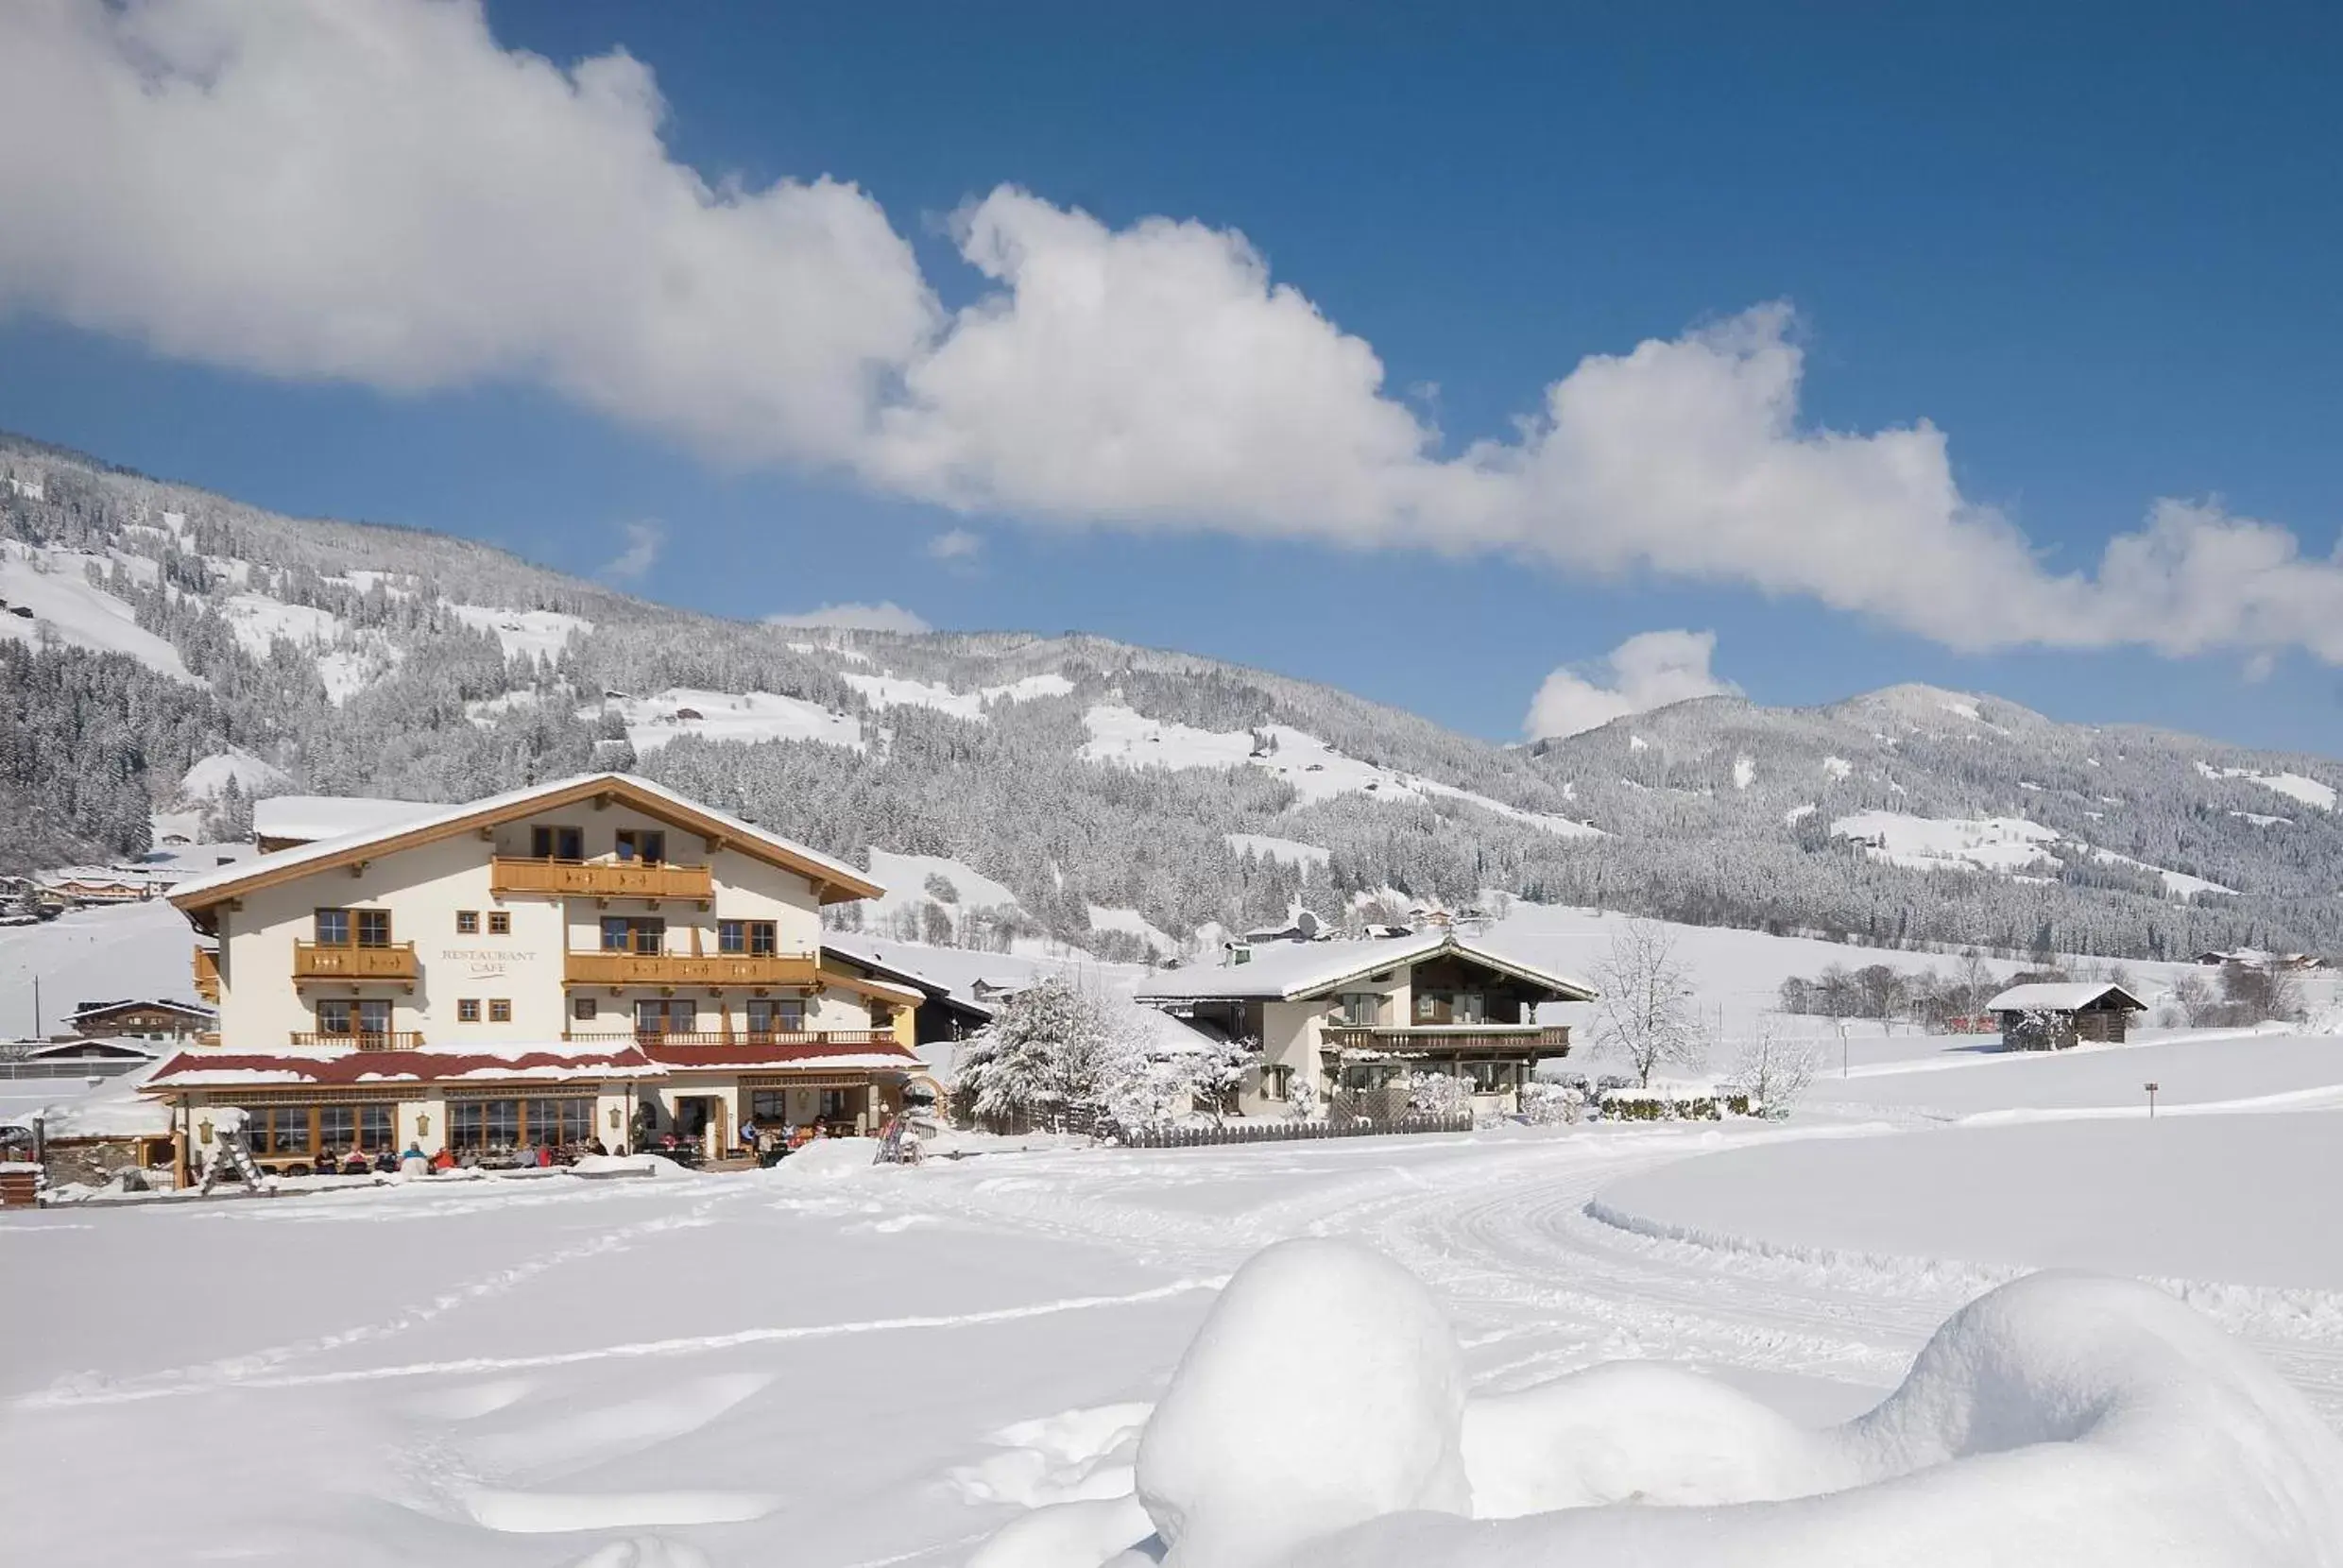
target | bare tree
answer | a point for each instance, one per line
(1648, 1015)
(1974, 979)
(1773, 1070)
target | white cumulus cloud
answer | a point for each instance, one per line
(885, 616)
(644, 540)
(1648, 670)
(376, 192)
(956, 544)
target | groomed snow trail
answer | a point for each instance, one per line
(1536, 1284)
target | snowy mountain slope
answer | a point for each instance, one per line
(1128, 797)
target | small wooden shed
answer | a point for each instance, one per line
(2052, 1016)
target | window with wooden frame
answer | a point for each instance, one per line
(500, 922)
(1361, 1008)
(335, 1017)
(374, 927)
(332, 927)
(767, 1016)
(585, 1009)
(468, 1010)
(623, 933)
(557, 843)
(466, 922)
(755, 938)
(647, 844)
(499, 1009)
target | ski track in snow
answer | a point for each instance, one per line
(1541, 1279)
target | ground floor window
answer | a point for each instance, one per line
(769, 1105)
(279, 1129)
(342, 1128)
(560, 1122)
(307, 1131)
(499, 1126)
(1278, 1082)
(1491, 1078)
(834, 1106)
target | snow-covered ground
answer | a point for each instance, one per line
(654, 721)
(841, 1366)
(835, 1364)
(95, 954)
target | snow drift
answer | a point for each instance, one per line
(1317, 1421)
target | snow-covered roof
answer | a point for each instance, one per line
(1309, 968)
(308, 818)
(110, 1109)
(2058, 996)
(864, 955)
(556, 1060)
(439, 821)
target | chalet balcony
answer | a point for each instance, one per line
(375, 1039)
(207, 975)
(314, 961)
(510, 877)
(731, 1038)
(622, 968)
(1446, 1040)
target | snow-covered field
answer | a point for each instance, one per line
(843, 1366)
(836, 1364)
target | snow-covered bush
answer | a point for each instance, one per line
(1437, 1094)
(1301, 1099)
(1548, 1104)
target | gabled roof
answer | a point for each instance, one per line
(191, 1010)
(306, 819)
(2059, 996)
(839, 881)
(1315, 968)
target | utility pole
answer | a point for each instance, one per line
(35, 1007)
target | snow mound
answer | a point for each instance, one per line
(209, 775)
(1324, 1388)
(1318, 1421)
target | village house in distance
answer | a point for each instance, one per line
(594, 959)
(1349, 1020)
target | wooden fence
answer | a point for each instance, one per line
(1286, 1131)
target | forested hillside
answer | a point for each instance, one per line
(1123, 798)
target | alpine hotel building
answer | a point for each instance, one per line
(597, 957)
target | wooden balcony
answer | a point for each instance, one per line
(316, 962)
(742, 1037)
(509, 877)
(378, 1039)
(207, 975)
(1445, 1040)
(628, 969)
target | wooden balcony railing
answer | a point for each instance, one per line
(627, 968)
(207, 975)
(378, 1039)
(599, 879)
(732, 1037)
(1453, 1039)
(315, 961)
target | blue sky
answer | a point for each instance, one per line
(2096, 252)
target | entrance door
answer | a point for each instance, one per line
(700, 1118)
